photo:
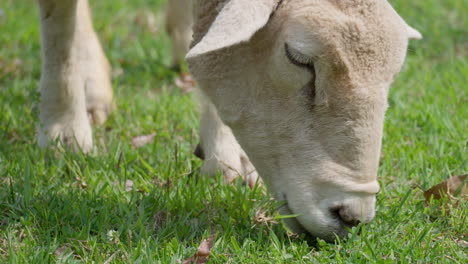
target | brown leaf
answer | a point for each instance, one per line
(81, 183)
(117, 72)
(111, 257)
(185, 82)
(8, 181)
(262, 218)
(462, 243)
(454, 186)
(61, 250)
(128, 185)
(203, 252)
(147, 21)
(159, 219)
(162, 183)
(10, 67)
(140, 141)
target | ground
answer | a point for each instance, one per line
(150, 204)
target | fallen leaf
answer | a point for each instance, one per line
(453, 187)
(117, 72)
(161, 183)
(147, 21)
(3, 246)
(203, 252)
(61, 250)
(204, 249)
(262, 218)
(462, 243)
(185, 82)
(140, 141)
(128, 185)
(111, 257)
(10, 67)
(81, 183)
(8, 181)
(159, 219)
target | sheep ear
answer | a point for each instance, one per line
(413, 33)
(237, 22)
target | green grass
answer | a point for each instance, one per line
(71, 208)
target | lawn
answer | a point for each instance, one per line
(123, 204)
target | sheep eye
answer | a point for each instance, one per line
(297, 58)
(303, 61)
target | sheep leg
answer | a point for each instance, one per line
(220, 150)
(179, 19)
(96, 70)
(75, 75)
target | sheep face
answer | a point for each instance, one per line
(305, 95)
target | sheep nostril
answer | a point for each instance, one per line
(352, 223)
(335, 212)
(342, 213)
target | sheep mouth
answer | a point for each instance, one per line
(296, 226)
(291, 222)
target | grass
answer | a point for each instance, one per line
(72, 208)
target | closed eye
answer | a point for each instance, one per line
(297, 58)
(307, 63)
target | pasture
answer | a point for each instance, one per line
(150, 204)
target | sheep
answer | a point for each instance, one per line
(75, 82)
(303, 87)
(294, 91)
(75, 76)
(179, 22)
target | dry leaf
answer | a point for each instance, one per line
(3, 246)
(111, 257)
(261, 218)
(140, 141)
(147, 21)
(203, 252)
(159, 219)
(61, 250)
(8, 181)
(204, 249)
(185, 82)
(462, 243)
(81, 183)
(10, 67)
(162, 183)
(117, 72)
(128, 185)
(454, 186)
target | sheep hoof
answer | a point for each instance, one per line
(67, 133)
(98, 114)
(231, 166)
(99, 102)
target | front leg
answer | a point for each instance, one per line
(75, 75)
(220, 151)
(96, 70)
(179, 19)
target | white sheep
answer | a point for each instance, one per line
(75, 79)
(301, 85)
(179, 22)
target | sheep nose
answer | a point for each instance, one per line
(346, 216)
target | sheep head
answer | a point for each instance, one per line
(303, 85)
